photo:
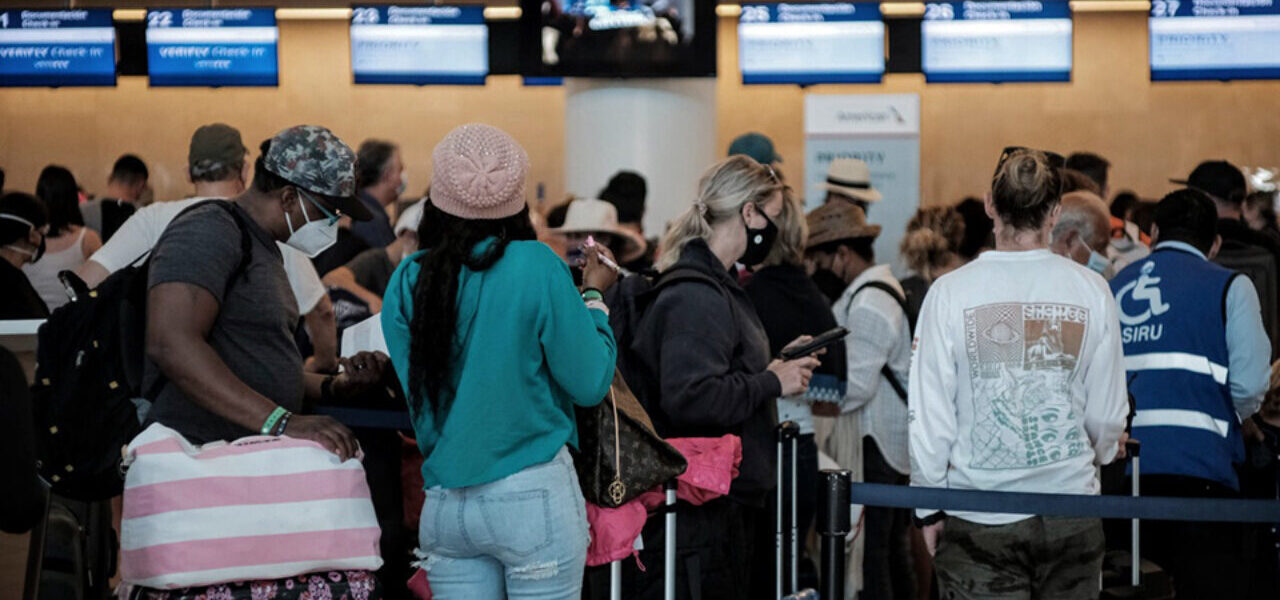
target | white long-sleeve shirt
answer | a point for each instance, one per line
(1017, 379)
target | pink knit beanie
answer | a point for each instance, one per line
(479, 173)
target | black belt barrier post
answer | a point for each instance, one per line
(833, 525)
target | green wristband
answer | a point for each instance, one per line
(272, 419)
(592, 294)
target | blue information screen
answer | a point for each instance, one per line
(1215, 39)
(996, 41)
(57, 47)
(830, 42)
(212, 46)
(419, 45)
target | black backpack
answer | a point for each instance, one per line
(90, 357)
(627, 301)
(907, 310)
(1259, 264)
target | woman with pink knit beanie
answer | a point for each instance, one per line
(495, 346)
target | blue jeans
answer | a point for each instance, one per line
(523, 536)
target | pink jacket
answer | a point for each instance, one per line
(713, 465)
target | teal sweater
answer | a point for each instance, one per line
(526, 350)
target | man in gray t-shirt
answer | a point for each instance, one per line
(257, 314)
(220, 337)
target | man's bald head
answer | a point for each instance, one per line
(1084, 218)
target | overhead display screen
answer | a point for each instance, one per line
(419, 45)
(212, 47)
(612, 38)
(997, 41)
(1214, 39)
(57, 48)
(832, 42)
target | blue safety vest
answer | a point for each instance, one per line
(1173, 325)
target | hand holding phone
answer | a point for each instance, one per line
(813, 346)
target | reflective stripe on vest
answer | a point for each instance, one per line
(1168, 417)
(1181, 361)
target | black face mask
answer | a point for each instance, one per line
(759, 242)
(830, 284)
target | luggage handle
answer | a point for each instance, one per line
(786, 431)
(1133, 449)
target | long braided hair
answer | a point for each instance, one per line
(451, 245)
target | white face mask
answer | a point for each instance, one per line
(313, 237)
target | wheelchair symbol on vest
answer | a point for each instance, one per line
(1142, 288)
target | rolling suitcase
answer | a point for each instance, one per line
(787, 532)
(668, 552)
(75, 555)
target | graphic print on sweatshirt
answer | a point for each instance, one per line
(1022, 357)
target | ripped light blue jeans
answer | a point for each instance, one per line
(524, 536)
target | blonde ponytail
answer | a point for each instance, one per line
(722, 191)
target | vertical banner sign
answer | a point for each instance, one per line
(57, 48)
(419, 45)
(882, 130)
(212, 47)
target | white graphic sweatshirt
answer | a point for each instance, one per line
(1017, 379)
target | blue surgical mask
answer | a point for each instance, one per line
(1098, 263)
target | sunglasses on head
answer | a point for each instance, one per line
(1055, 160)
(772, 174)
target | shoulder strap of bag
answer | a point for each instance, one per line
(246, 255)
(885, 371)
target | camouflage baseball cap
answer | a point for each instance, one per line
(314, 159)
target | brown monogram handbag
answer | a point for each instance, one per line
(619, 455)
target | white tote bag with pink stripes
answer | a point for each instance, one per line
(257, 508)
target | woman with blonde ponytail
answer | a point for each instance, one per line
(1017, 385)
(707, 371)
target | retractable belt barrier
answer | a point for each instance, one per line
(367, 418)
(836, 491)
(1068, 505)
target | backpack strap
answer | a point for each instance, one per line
(246, 242)
(885, 371)
(246, 255)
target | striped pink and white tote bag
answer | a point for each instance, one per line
(260, 507)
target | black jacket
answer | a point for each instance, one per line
(708, 353)
(23, 500)
(1237, 231)
(791, 305)
(19, 300)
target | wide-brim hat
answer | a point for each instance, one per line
(851, 177)
(586, 215)
(836, 221)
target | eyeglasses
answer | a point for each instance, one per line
(1055, 160)
(332, 216)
